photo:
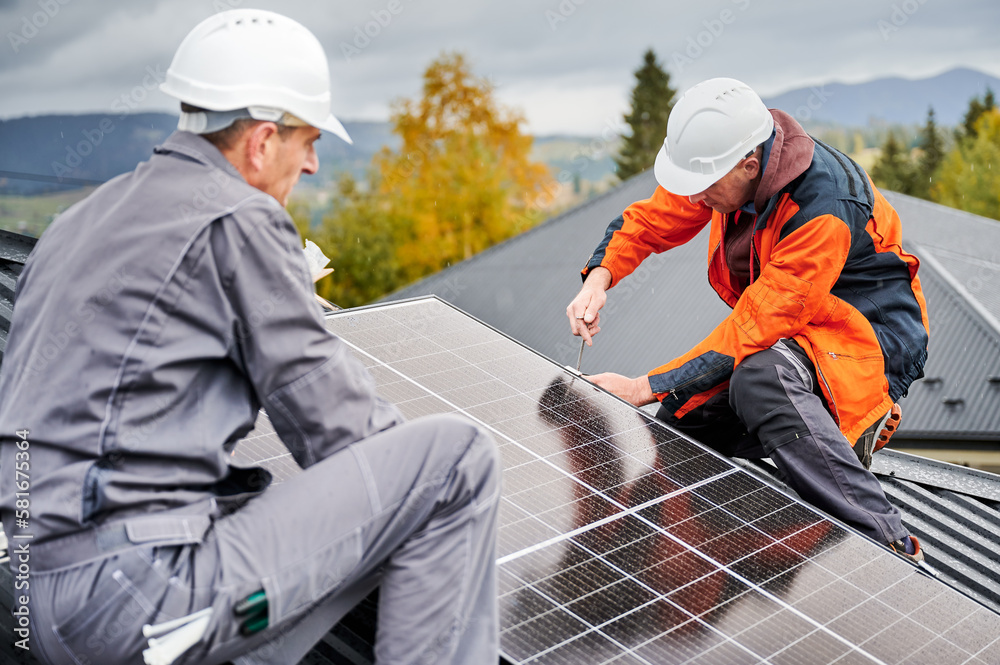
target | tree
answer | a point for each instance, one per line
(462, 180)
(966, 131)
(931, 154)
(652, 99)
(893, 170)
(359, 236)
(969, 177)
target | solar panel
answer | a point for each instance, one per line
(623, 542)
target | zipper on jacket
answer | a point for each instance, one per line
(833, 402)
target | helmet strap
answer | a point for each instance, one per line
(209, 122)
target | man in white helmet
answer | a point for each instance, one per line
(829, 324)
(152, 322)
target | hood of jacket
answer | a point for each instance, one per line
(790, 156)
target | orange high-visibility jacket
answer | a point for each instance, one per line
(833, 276)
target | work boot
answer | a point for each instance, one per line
(877, 435)
(908, 547)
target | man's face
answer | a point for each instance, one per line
(293, 154)
(733, 190)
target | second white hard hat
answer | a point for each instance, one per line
(256, 60)
(710, 129)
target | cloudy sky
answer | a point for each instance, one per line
(567, 64)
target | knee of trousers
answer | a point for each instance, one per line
(758, 385)
(478, 456)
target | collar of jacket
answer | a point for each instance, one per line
(197, 148)
(790, 156)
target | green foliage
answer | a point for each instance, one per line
(967, 130)
(969, 176)
(359, 236)
(966, 177)
(652, 99)
(894, 170)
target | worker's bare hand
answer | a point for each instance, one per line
(634, 391)
(584, 312)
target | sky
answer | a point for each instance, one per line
(567, 65)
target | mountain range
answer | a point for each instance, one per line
(51, 152)
(887, 101)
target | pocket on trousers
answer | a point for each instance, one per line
(108, 628)
(302, 584)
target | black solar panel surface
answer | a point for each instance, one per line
(621, 542)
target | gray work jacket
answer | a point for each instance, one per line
(151, 322)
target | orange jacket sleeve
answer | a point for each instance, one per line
(652, 225)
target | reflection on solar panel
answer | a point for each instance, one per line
(622, 542)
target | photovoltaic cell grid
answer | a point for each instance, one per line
(622, 542)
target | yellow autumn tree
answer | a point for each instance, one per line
(969, 176)
(462, 179)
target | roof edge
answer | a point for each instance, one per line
(934, 473)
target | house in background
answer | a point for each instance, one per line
(522, 287)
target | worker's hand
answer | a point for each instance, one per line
(584, 312)
(634, 391)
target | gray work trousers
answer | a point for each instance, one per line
(774, 408)
(412, 509)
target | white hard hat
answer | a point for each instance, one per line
(710, 129)
(252, 63)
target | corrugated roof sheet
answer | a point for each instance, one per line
(960, 533)
(959, 398)
(14, 250)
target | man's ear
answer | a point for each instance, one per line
(753, 164)
(258, 143)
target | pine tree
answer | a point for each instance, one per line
(652, 99)
(967, 130)
(894, 170)
(932, 153)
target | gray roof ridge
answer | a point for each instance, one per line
(926, 255)
(965, 214)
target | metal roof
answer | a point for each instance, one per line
(965, 245)
(14, 250)
(959, 397)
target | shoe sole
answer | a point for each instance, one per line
(889, 427)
